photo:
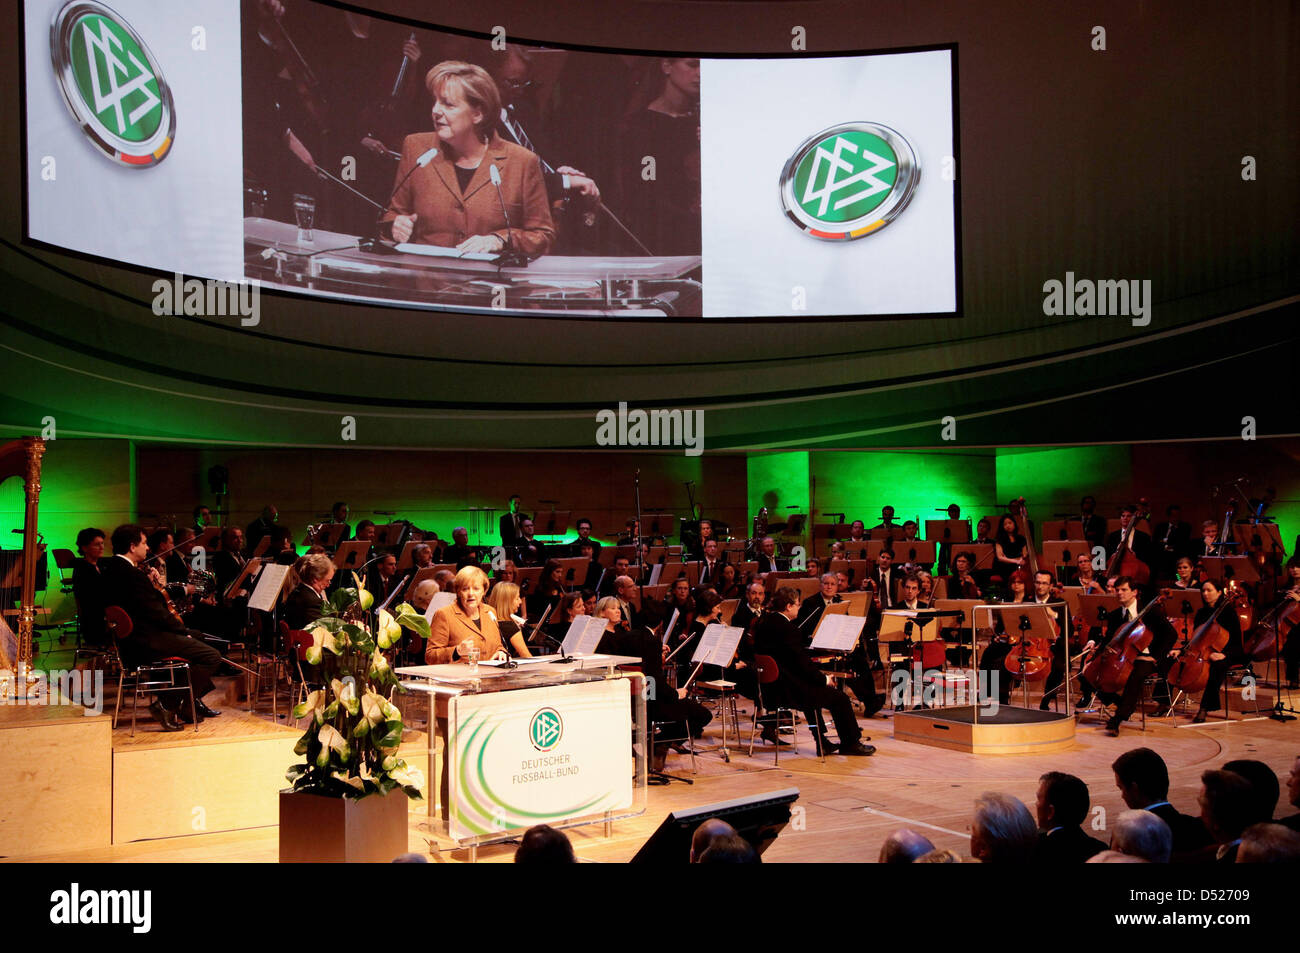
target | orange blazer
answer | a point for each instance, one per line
(450, 627)
(446, 217)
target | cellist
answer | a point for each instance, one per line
(1234, 653)
(1155, 659)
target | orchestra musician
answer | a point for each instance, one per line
(751, 610)
(570, 606)
(584, 538)
(999, 647)
(88, 586)
(622, 567)
(157, 631)
(679, 600)
(460, 553)
(1184, 574)
(509, 522)
(767, 556)
(777, 636)
(1157, 658)
(962, 584)
(982, 530)
(1209, 542)
(1084, 576)
(1046, 594)
(531, 551)
(886, 518)
(1234, 653)
(228, 562)
(811, 609)
(467, 623)
(1138, 542)
(712, 562)
(728, 584)
(384, 579)
(885, 579)
(1094, 527)
(1174, 536)
(264, 525)
(1009, 545)
(306, 602)
(549, 589)
(339, 514)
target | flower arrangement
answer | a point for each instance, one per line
(350, 746)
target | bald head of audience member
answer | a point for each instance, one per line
(1269, 844)
(705, 834)
(1142, 834)
(729, 849)
(904, 846)
(423, 594)
(1113, 857)
(1002, 831)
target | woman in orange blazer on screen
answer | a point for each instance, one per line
(452, 201)
(467, 621)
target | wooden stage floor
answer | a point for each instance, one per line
(850, 805)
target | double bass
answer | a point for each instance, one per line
(1124, 562)
(1268, 638)
(1030, 657)
(1109, 669)
(1192, 670)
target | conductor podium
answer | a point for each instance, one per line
(551, 741)
(985, 726)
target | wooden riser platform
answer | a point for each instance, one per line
(1010, 730)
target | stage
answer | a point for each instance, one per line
(848, 805)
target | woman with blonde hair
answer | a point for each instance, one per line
(466, 625)
(504, 600)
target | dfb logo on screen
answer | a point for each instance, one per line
(179, 295)
(77, 906)
(651, 428)
(112, 84)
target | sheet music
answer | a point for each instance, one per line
(717, 645)
(437, 602)
(838, 633)
(584, 635)
(672, 621)
(269, 583)
(656, 571)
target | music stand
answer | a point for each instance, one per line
(205, 540)
(948, 531)
(584, 635)
(1094, 608)
(1063, 552)
(918, 552)
(885, 532)
(658, 525)
(262, 546)
(1224, 568)
(1030, 620)
(1174, 603)
(351, 555)
(965, 606)
(983, 554)
(428, 572)
(1060, 530)
(251, 568)
(328, 535)
(407, 559)
(571, 567)
(388, 535)
(270, 583)
(907, 627)
(552, 523)
(527, 579)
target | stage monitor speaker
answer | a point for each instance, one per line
(758, 818)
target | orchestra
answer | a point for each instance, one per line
(675, 589)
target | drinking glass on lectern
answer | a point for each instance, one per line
(304, 212)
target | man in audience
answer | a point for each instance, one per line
(1263, 785)
(1002, 831)
(904, 846)
(543, 844)
(1142, 834)
(714, 829)
(733, 849)
(1269, 844)
(1062, 806)
(1293, 796)
(1228, 802)
(1115, 857)
(1143, 781)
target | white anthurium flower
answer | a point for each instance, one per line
(346, 693)
(378, 664)
(350, 780)
(407, 776)
(364, 597)
(322, 639)
(389, 632)
(331, 740)
(315, 704)
(372, 708)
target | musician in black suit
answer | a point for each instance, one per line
(306, 603)
(1062, 807)
(339, 514)
(885, 579)
(460, 552)
(156, 632)
(811, 609)
(228, 562)
(1155, 659)
(384, 580)
(766, 557)
(529, 550)
(1173, 540)
(751, 610)
(584, 538)
(1143, 781)
(88, 586)
(264, 525)
(1128, 533)
(510, 522)
(778, 637)
(1094, 527)
(713, 562)
(1234, 653)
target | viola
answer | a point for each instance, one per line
(1109, 669)
(1192, 670)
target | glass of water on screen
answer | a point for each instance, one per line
(304, 212)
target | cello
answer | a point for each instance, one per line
(1030, 656)
(1109, 669)
(1192, 670)
(1268, 638)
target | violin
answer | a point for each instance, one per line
(160, 583)
(1109, 669)
(1192, 670)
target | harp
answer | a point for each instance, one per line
(22, 457)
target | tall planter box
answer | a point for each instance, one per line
(319, 829)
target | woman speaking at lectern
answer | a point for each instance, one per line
(447, 192)
(466, 624)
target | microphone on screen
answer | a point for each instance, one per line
(509, 255)
(378, 244)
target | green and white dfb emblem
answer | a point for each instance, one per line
(546, 729)
(112, 84)
(849, 180)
